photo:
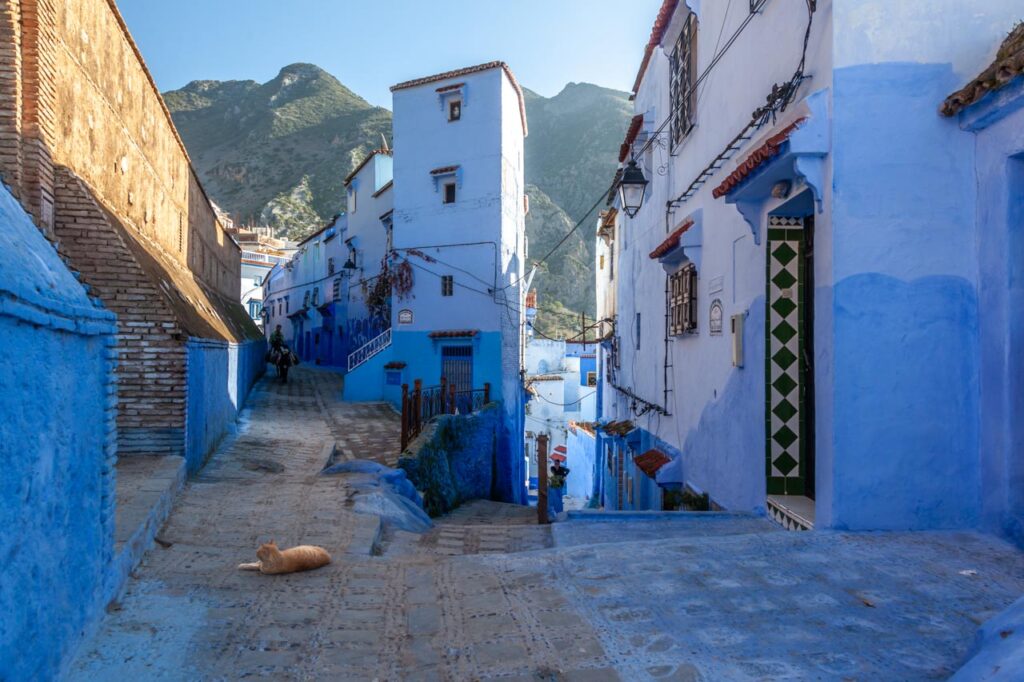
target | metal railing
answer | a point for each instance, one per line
(369, 349)
(421, 405)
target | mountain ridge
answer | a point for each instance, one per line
(278, 152)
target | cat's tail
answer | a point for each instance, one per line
(249, 567)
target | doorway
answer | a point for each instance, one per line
(789, 368)
(457, 369)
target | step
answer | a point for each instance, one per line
(146, 488)
(792, 512)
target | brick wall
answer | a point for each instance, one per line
(152, 363)
(75, 92)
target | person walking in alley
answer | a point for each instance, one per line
(276, 339)
(556, 483)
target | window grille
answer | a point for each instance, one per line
(682, 94)
(447, 285)
(330, 265)
(336, 288)
(316, 296)
(683, 301)
(454, 110)
(305, 299)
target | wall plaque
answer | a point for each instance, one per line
(715, 318)
(405, 316)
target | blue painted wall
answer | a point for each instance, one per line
(58, 447)
(905, 385)
(582, 461)
(997, 124)
(220, 376)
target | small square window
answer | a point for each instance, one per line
(449, 192)
(454, 110)
(447, 285)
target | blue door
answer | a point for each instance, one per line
(457, 369)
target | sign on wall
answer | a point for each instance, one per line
(405, 316)
(715, 317)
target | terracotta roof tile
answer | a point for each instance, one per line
(558, 457)
(650, 461)
(755, 159)
(395, 364)
(449, 88)
(468, 70)
(545, 377)
(387, 185)
(671, 242)
(444, 170)
(560, 448)
(668, 8)
(453, 333)
(1008, 65)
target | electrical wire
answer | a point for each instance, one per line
(574, 402)
(650, 138)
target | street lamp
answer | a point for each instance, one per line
(631, 189)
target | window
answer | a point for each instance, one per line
(611, 261)
(682, 301)
(454, 109)
(305, 299)
(255, 308)
(330, 265)
(449, 192)
(316, 295)
(601, 262)
(351, 199)
(257, 280)
(683, 67)
(591, 378)
(447, 285)
(638, 331)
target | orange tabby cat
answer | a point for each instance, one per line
(273, 560)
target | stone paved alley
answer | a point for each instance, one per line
(489, 594)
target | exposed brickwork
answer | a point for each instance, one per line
(87, 145)
(38, 108)
(11, 160)
(151, 365)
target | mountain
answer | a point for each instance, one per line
(276, 153)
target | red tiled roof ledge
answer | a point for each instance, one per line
(466, 71)
(449, 88)
(560, 448)
(453, 333)
(668, 8)
(650, 461)
(444, 170)
(395, 364)
(755, 159)
(631, 133)
(671, 242)
(387, 185)
(545, 377)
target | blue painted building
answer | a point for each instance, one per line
(457, 250)
(58, 445)
(814, 306)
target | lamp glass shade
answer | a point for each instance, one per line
(631, 189)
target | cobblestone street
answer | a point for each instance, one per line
(489, 594)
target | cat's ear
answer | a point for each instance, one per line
(271, 542)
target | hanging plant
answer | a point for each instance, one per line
(402, 280)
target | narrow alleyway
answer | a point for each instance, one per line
(487, 593)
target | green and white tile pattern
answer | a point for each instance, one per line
(782, 364)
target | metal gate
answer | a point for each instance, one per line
(457, 369)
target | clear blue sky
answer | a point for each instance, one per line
(372, 44)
